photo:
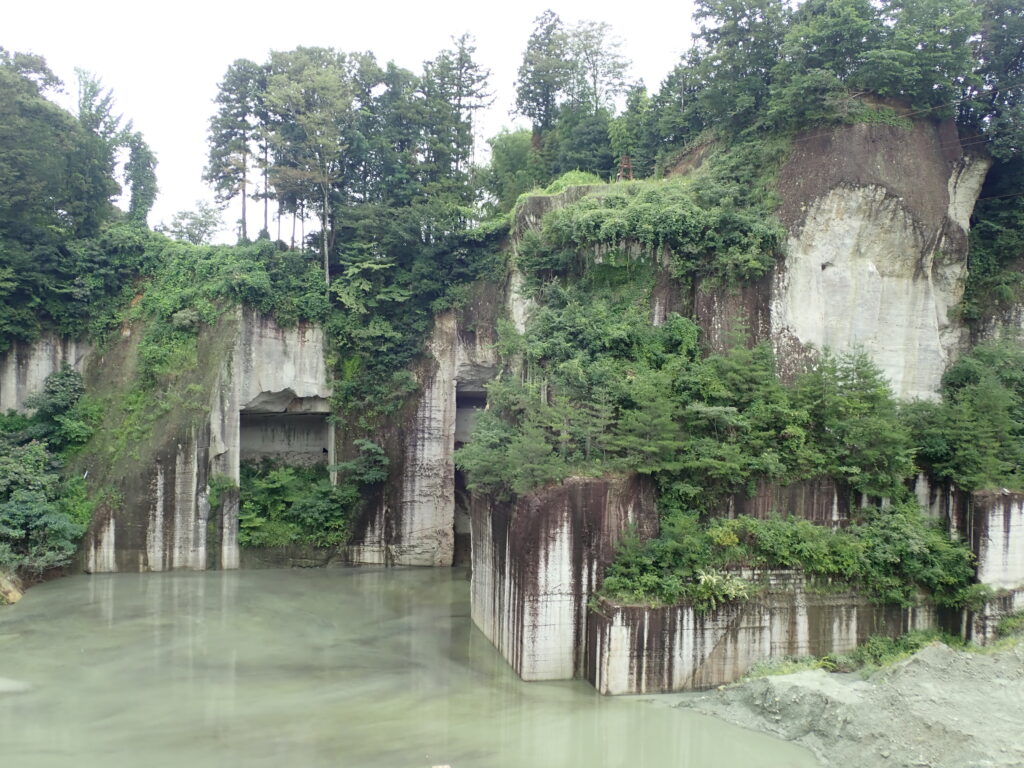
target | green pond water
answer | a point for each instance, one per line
(346, 667)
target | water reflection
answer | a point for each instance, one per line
(355, 667)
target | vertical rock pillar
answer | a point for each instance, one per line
(538, 559)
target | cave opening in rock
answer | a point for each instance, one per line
(295, 439)
(468, 403)
(281, 428)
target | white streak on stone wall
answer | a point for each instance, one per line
(963, 188)
(428, 482)
(419, 527)
(983, 625)
(1000, 544)
(156, 554)
(537, 561)
(24, 367)
(100, 557)
(647, 650)
(553, 616)
(229, 551)
(188, 549)
(519, 306)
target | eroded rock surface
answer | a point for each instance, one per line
(164, 519)
(876, 257)
(638, 649)
(538, 559)
(24, 367)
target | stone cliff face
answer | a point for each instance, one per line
(267, 395)
(538, 559)
(876, 254)
(635, 649)
(412, 524)
(252, 368)
(24, 367)
(876, 258)
(413, 520)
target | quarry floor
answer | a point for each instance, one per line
(941, 708)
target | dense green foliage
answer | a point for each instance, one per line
(381, 158)
(42, 516)
(1012, 625)
(381, 155)
(889, 554)
(718, 222)
(878, 651)
(397, 226)
(58, 176)
(995, 281)
(283, 505)
(975, 436)
(604, 390)
(601, 391)
(338, 135)
(764, 65)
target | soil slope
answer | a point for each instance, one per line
(941, 708)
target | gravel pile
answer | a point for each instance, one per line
(942, 708)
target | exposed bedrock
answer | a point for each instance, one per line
(24, 367)
(413, 520)
(821, 500)
(877, 222)
(270, 379)
(876, 257)
(997, 537)
(637, 649)
(992, 523)
(265, 394)
(537, 560)
(876, 254)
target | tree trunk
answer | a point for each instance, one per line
(245, 234)
(323, 237)
(266, 191)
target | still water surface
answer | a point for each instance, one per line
(341, 668)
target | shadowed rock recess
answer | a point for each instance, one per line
(876, 257)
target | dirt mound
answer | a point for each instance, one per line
(941, 708)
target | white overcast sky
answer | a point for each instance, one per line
(163, 61)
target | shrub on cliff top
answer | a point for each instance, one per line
(890, 554)
(717, 222)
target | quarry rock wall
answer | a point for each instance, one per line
(412, 519)
(877, 220)
(637, 649)
(161, 519)
(25, 366)
(876, 257)
(536, 561)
